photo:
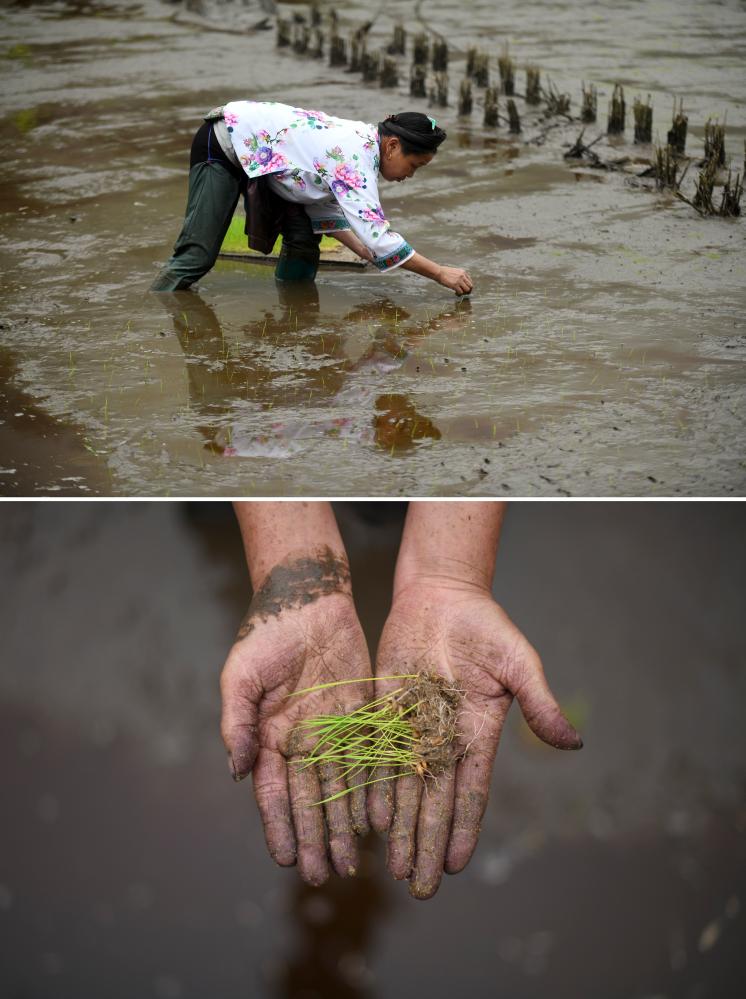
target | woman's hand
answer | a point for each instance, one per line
(301, 630)
(457, 630)
(456, 279)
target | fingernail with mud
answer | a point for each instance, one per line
(234, 774)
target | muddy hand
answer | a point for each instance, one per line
(459, 632)
(301, 630)
(456, 279)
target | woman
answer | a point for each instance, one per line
(308, 173)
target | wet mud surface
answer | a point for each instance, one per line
(131, 864)
(602, 351)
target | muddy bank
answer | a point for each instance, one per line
(602, 352)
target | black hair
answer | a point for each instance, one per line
(416, 131)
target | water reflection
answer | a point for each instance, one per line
(310, 374)
(332, 956)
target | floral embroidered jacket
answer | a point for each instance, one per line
(328, 164)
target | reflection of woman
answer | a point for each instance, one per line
(308, 173)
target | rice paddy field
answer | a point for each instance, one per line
(601, 353)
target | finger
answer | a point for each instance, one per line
(342, 844)
(473, 775)
(359, 802)
(273, 798)
(308, 819)
(433, 827)
(381, 799)
(381, 795)
(472, 789)
(238, 724)
(403, 830)
(540, 708)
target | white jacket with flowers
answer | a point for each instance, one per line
(330, 165)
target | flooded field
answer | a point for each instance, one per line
(602, 351)
(131, 865)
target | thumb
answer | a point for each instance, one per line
(238, 723)
(540, 708)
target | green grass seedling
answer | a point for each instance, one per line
(409, 730)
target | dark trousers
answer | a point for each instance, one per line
(215, 186)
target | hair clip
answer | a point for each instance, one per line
(434, 123)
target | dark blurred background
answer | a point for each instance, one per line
(131, 865)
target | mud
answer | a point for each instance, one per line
(299, 582)
(603, 351)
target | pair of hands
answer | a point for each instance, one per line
(456, 630)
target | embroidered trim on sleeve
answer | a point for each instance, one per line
(329, 225)
(404, 252)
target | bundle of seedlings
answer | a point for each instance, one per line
(439, 90)
(617, 111)
(440, 56)
(283, 33)
(389, 75)
(481, 69)
(730, 203)
(556, 103)
(533, 85)
(465, 101)
(370, 66)
(418, 81)
(715, 142)
(666, 169)
(513, 117)
(337, 51)
(398, 43)
(317, 46)
(315, 6)
(643, 120)
(491, 107)
(676, 137)
(301, 37)
(589, 109)
(410, 730)
(506, 66)
(420, 50)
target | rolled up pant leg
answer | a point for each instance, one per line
(211, 202)
(299, 256)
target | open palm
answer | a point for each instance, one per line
(274, 657)
(466, 637)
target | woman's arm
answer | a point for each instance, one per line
(348, 238)
(455, 278)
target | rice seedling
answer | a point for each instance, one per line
(490, 107)
(439, 90)
(357, 51)
(730, 203)
(589, 110)
(617, 111)
(715, 142)
(465, 100)
(420, 50)
(388, 76)
(418, 82)
(410, 730)
(667, 169)
(440, 56)
(283, 33)
(556, 102)
(676, 137)
(506, 65)
(317, 45)
(315, 6)
(301, 38)
(514, 117)
(370, 66)
(398, 43)
(337, 51)
(643, 114)
(533, 85)
(481, 69)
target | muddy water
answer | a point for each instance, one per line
(131, 865)
(602, 351)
